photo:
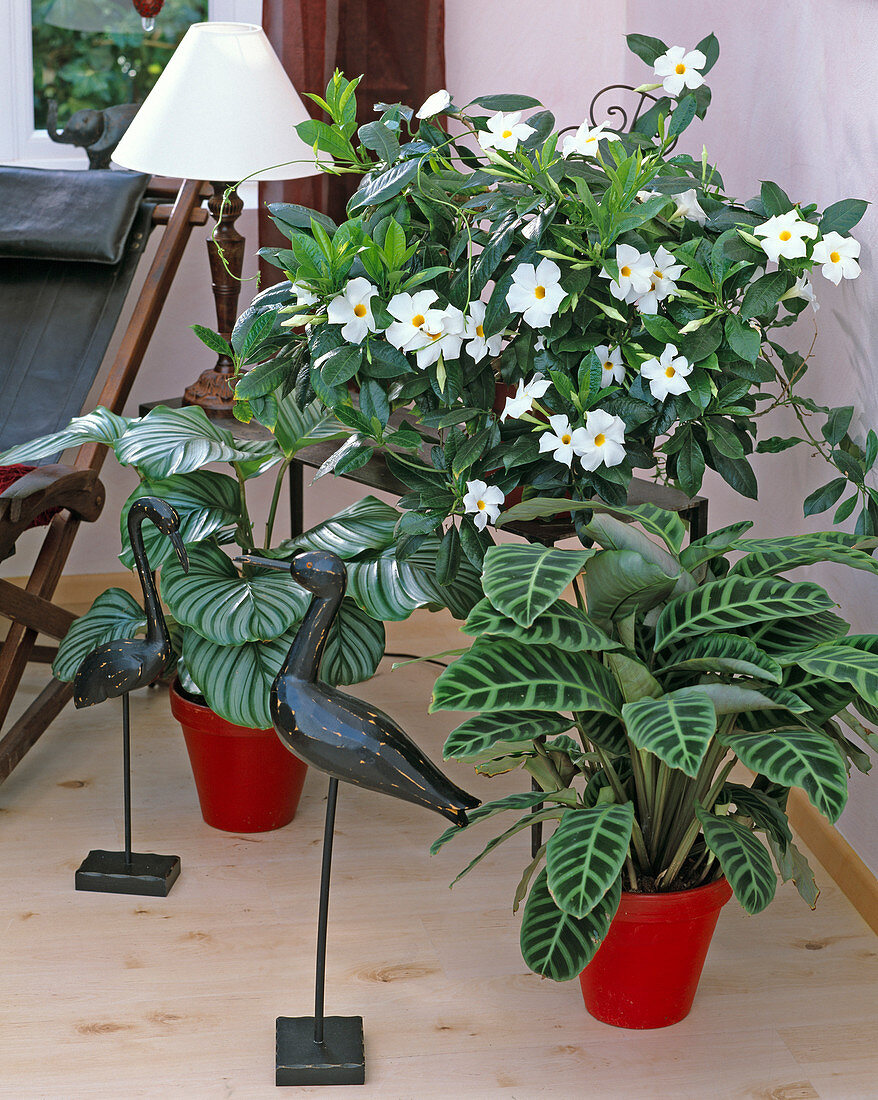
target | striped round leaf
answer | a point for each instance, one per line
(734, 602)
(847, 665)
(99, 426)
(585, 855)
(619, 582)
(477, 734)
(236, 680)
(557, 945)
(354, 647)
(228, 609)
(724, 653)
(297, 428)
(205, 502)
(561, 625)
(503, 674)
(796, 757)
(114, 614)
(178, 441)
(677, 728)
(366, 525)
(743, 858)
(768, 556)
(524, 581)
(523, 800)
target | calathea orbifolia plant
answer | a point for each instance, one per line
(631, 706)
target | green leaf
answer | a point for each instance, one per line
(743, 340)
(340, 364)
(734, 602)
(618, 582)
(557, 945)
(738, 698)
(845, 664)
(677, 728)
(502, 674)
(744, 860)
(682, 115)
(236, 680)
(690, 465)
(114, 614)
(646, 48)
(657, 521)
(381, 139)
(561, 625)
(767, 556)
(378, 188)
(762, 295)
(585, 855)
(709, 46)
(727, 653)
(297, 427)
(837, 424)
(825, 496)
(523, 581)
(99, 426)
(780, 637)
(262, 379)
(477, 734)
(506, 102)
(367, 524)
(774, 199)
(842, 216)
(522, 800)
(229, 609)
(354, 647)
(796, 757)
(213, 340)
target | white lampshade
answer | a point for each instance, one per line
(223, 109)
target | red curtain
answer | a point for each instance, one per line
(398, 46)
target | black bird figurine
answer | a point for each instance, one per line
(115, 669)
(356, 742)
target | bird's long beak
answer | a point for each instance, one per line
(181, 550)
(267, 563)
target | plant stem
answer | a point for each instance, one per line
(244, 524)
(272, 511)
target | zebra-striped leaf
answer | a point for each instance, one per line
(784, 639)
(767, 556)
(523, 800)
(98, 426)
(743, 858)
(354, 647)
(537, 818)
(847, 665)
(724, 653)
(227, 608)
(556, 944)
(502, 674)
(115, 614)
(561, 625)
(796, 757)
(524, 581)
(477, 734)
(585, 855)
(677, 728)
(734, 602)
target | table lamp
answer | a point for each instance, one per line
(223, 110)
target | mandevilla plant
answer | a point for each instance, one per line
(547, 312)
(671, 666)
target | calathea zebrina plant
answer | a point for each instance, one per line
(631, 705)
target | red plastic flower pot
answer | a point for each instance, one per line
(247, 781)
(646, 971)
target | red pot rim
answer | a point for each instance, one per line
(676, 905)
(199, 716)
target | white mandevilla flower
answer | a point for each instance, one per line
(536, 292)
(440, 334)
(679, 69)
(601, 442)
(784, 235)
(585, 140)
(505, 131)
(559, 439)
(540, 343)
(304, 297)
(479, 345)
(838, 255)
(352, 309)
(612, 364)
(434, 104)
(410, 313)
(667, 374)
(803, 289)
(687, 207)
(635, 273)
(483, 501)
(525, 395)
(662, 284)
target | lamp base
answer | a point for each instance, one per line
(211, 391)
(339, 1060)
(110, 873)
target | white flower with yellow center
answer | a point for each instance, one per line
(352, 309)
(440, 334)
(434, 104)
(483, 501)
(679, 69)
(612, 364)
(687, 206)
(662, 283)
(635, 273)
(667, 374)
(409, 312)
(601, 442)
(784, 235)
(585, 140)
(505, 131)
(559, 438)
(479, 345)
(536, 292)
(838, 255)
(525, 395)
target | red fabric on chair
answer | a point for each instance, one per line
(9, 475)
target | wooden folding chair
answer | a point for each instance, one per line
(57, 318)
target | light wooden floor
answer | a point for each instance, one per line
(112, 997)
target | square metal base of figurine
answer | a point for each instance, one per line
(109, 873)
(339, 1061)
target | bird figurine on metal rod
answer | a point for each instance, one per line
(354, 741)
(115, 669)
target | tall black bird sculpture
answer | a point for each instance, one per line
(115, 669)
(356, 742)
